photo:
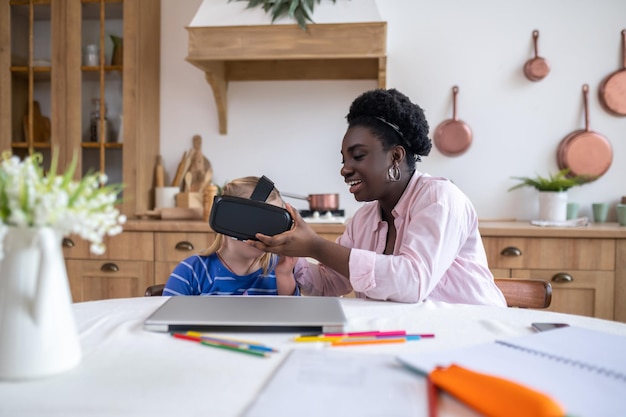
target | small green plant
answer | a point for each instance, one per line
(561, 181)
(300, 10)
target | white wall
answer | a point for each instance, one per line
(291, 131)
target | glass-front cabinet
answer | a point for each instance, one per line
(82, 76)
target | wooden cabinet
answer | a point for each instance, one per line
(581, 271)
(144, 254)
(65, 85)
(172, 247)
(586, 265)
(329, 231)
(125, 270)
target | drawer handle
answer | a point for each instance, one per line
(511, 251)
(109, 267)
(68, 243)
(186, 246)
(562, 277)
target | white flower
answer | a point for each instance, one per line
(29, 198)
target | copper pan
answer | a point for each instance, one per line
(318, 202)
(585, 152)
(537, 68)
(453, 136)
(612, 90)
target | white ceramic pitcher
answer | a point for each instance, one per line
(38, 334)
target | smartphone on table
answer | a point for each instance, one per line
(542, 327)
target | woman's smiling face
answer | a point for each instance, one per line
(365, 164)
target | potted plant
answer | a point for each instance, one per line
(38, 208)
(552, 192)
(561, 181)
(299, 10)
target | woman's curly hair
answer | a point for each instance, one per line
(394, 119)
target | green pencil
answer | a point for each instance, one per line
(235, 349)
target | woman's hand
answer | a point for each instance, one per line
(300, 241)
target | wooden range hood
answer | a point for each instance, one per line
(333, 51)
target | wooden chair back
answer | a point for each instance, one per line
(522, 293)
(153, 290)
(525, 293)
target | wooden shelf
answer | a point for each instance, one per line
(352, 51)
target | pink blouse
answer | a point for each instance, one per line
(438, 254)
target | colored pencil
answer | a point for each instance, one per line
(235, 349)
(348, 342)
(232, 342)
(220, 346)
(407, 337)
(369, 333)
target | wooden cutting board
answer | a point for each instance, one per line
(174, 213)
(41, 125)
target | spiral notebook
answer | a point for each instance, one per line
(583, 369)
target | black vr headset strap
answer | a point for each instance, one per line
(263, 189)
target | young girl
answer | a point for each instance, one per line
(230, 266)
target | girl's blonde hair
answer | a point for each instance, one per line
(243, 187)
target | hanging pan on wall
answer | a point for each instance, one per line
(453, 136)
(585, 152)
(537, 68)
(613, 88)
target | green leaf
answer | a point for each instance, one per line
(292, 7)
(561, 181)
(69, 174)
(299, 10)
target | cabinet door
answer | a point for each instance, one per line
(114, 112)
(123, 247)
(100, 70)
(31, 76)
(96, 280)
(174, 247)
(550, 253)
(171, 248)
(586, 293)
(64, 85)
(620, 281)
(125, 270)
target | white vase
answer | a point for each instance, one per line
(553, 206)
(37, 328)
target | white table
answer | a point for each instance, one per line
(127, 371)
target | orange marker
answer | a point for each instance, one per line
(494, 396)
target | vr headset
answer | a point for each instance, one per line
(243, 218)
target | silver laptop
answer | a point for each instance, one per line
(248, 314)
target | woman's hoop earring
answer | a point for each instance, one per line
(394, 174)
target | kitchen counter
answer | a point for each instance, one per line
(487, 228)
(137, 225)
(525, 229)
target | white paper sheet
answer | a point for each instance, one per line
(329, 382)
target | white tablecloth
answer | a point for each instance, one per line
(127, 371)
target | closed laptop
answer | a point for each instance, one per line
(248, 314)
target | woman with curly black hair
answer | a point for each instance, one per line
(415, 238)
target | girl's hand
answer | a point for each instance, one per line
(285, 266)
(285, 281)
